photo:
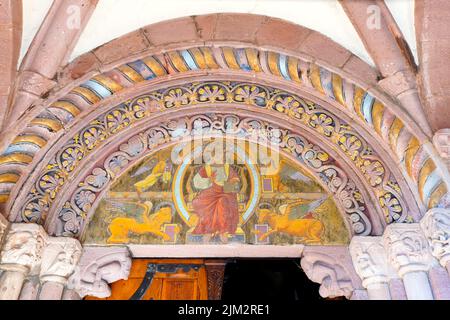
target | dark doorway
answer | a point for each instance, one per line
(268, 279)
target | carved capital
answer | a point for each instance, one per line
(23, 247)
(370, 260)
(407, 248)
(332, 268)
(436, 227)
(99, 266)
(59, 259)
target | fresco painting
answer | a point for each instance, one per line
(212, 197)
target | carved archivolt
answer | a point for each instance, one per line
(377, 119)
(223, 94)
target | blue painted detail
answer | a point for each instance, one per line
(282, 64)
(327, 85)
(141, 68)
(242, 60)
(27, 148)
(366, 107)
(433, 180)
(98, 89)
(189, 60)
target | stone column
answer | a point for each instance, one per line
(370, 261)
(436, 227)
(70, 295)
(59, 260)
(20, 255)
(410, 255)
(440, 283)
(30, 288)
(397, 289)
(99, 266)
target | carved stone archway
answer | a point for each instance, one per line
(379, 118)
(328, 101)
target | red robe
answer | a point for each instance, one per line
(217, 211)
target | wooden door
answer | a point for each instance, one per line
(162, 279)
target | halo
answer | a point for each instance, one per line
(177, 188)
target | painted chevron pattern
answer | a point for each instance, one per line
(415, 159)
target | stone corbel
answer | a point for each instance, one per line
(332, 268)
(97, 268)
(436, 227)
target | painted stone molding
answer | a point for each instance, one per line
(62, 166)
(436, 226)
(99, 266)
(373, 115)
(407, 248)
(370, 260)
(332, 268)
(59, 259)
(81, 204)
(23, 247)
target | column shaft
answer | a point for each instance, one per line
(69, 294)
(440, 283)
(30, 290)
(397, 289)
(11, 283)
(378, 291)
(51, 291)
(417, 286)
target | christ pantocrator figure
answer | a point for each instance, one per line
(216, 204)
